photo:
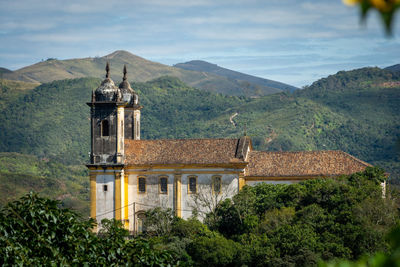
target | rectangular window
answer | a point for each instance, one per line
(192, 185)
(105, 128)
(216, 184)
(105, 188)
(137, 130)
(164, 185)
(142, 185)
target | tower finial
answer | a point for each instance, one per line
(125, 72)
(245, 129)
(108, 70)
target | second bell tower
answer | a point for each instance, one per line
(132, 109)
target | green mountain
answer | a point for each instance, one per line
(4, 70)
(139, 69)
(20, 174)
(204, 66)
(355, 111)
(49, 121)
(370, 106)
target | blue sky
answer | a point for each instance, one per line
(291, 41)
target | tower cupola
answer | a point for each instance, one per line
(126, 90)
(107, 91)
(128, 94)
(132, 108)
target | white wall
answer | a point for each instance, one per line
(205, 200)
(151, 198)
(105, 200)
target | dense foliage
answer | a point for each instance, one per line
(11, 90)
(174, 110)
(34, 231)
(391, 259)
(50, 121)
(290, 225)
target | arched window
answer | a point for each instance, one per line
(163, 185)
(137, 129)
(192, 185)
(105, 128)
(141, 217)
(216, 184)
(142, 184)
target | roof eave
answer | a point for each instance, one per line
(230, 165)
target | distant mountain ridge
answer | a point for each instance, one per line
(139, 70)
(395, 68)
(4, 70)
(204, 66)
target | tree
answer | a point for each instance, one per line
(205, 201)
(159, 221)
(213, 250)
(379, 259)
(35, 231)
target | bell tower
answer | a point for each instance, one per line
(107, 123)
(132, 109)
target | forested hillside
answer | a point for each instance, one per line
(20, 174)
(356, 111)
(369, 100)
(11, 90)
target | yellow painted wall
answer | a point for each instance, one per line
(118, 196)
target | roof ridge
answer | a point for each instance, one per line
(298, 151)
(181, 151)
(183, 139)
(314, 151)
(303, 163)
(356, 159)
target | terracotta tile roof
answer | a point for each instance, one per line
(303, 163)
(181, 151)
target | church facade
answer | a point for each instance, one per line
(129, 176)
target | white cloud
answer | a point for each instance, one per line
(31, 26)
(281, 17)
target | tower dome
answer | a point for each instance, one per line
(107, 91)
(125, 88)
(128, 94)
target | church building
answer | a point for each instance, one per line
(129, 176)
